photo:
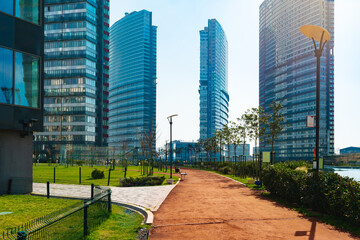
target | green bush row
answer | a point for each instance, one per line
(325, 192)
(142, 181)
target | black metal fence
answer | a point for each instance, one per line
(73, 222)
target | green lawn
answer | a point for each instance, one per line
(70, 175)
(26, 208)
(122, 224)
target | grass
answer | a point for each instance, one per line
(242, 180)
(70, 175)
(122, 224)
(26, 208)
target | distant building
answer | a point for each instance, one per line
(133, 81)
(183, 151)
(350, 150)
(239, 151)
(287, 74)
(213, 89)
(21, 87)
(76, 76)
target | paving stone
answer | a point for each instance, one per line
(147, 197)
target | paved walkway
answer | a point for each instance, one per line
(146, 197)
(210, 206)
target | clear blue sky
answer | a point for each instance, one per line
(179, 22)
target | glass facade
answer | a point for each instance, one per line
(132, 79)
(6, 76)
(21, 65)
(287, 73)
(26, 90)
(76, 74)
(28, 10)
(213, 89)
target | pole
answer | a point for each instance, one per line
(92, 191)
(54, 173)
(171, 155)
(79, 175)
(109, 176)
(318, 54)
(48, 189)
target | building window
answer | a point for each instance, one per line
(7, 7)
(26, 80)
(27, 10)
(6, 75)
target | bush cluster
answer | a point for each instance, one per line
(142, 181)
(326, 192)
(97, 174)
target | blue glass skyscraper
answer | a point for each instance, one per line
(287, 70)
(133, 81)
(213, 90)
(76, 74)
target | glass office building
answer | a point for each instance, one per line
(287, 72)
(76, 75)
(132, 114)
(213, 89)
(21, 84)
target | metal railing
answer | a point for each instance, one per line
(73, 222)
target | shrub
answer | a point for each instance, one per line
(97, 174)
(326, 192)
(142, 181)
(225, 170)
(80, 162)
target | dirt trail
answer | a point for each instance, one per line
(210, 206)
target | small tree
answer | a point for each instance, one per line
(275, 123)
(256, 120)
(235, 135)
(227, 137)
(213, 146)
(220, 140)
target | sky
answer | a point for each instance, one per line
(178, 61)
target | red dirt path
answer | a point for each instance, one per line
(210, 206)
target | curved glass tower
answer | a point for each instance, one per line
(132, 80)
(213, 90)
(287, 71)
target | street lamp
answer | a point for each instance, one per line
(321, 35)
(171, 155)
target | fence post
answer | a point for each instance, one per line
(21, 235)
(85, 219)
(48, 189)
(92, 191)
(54, 174)
(109, 201)
(9, 186)
(109, 176)
(79, 175)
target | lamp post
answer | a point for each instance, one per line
(171, 154)
(317, 34)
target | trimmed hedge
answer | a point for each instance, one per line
(326, 192)
(97, 174)
(142, 181)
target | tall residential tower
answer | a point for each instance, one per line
(132, 117)
(287, 71)
(76, 75)
(213, 90)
